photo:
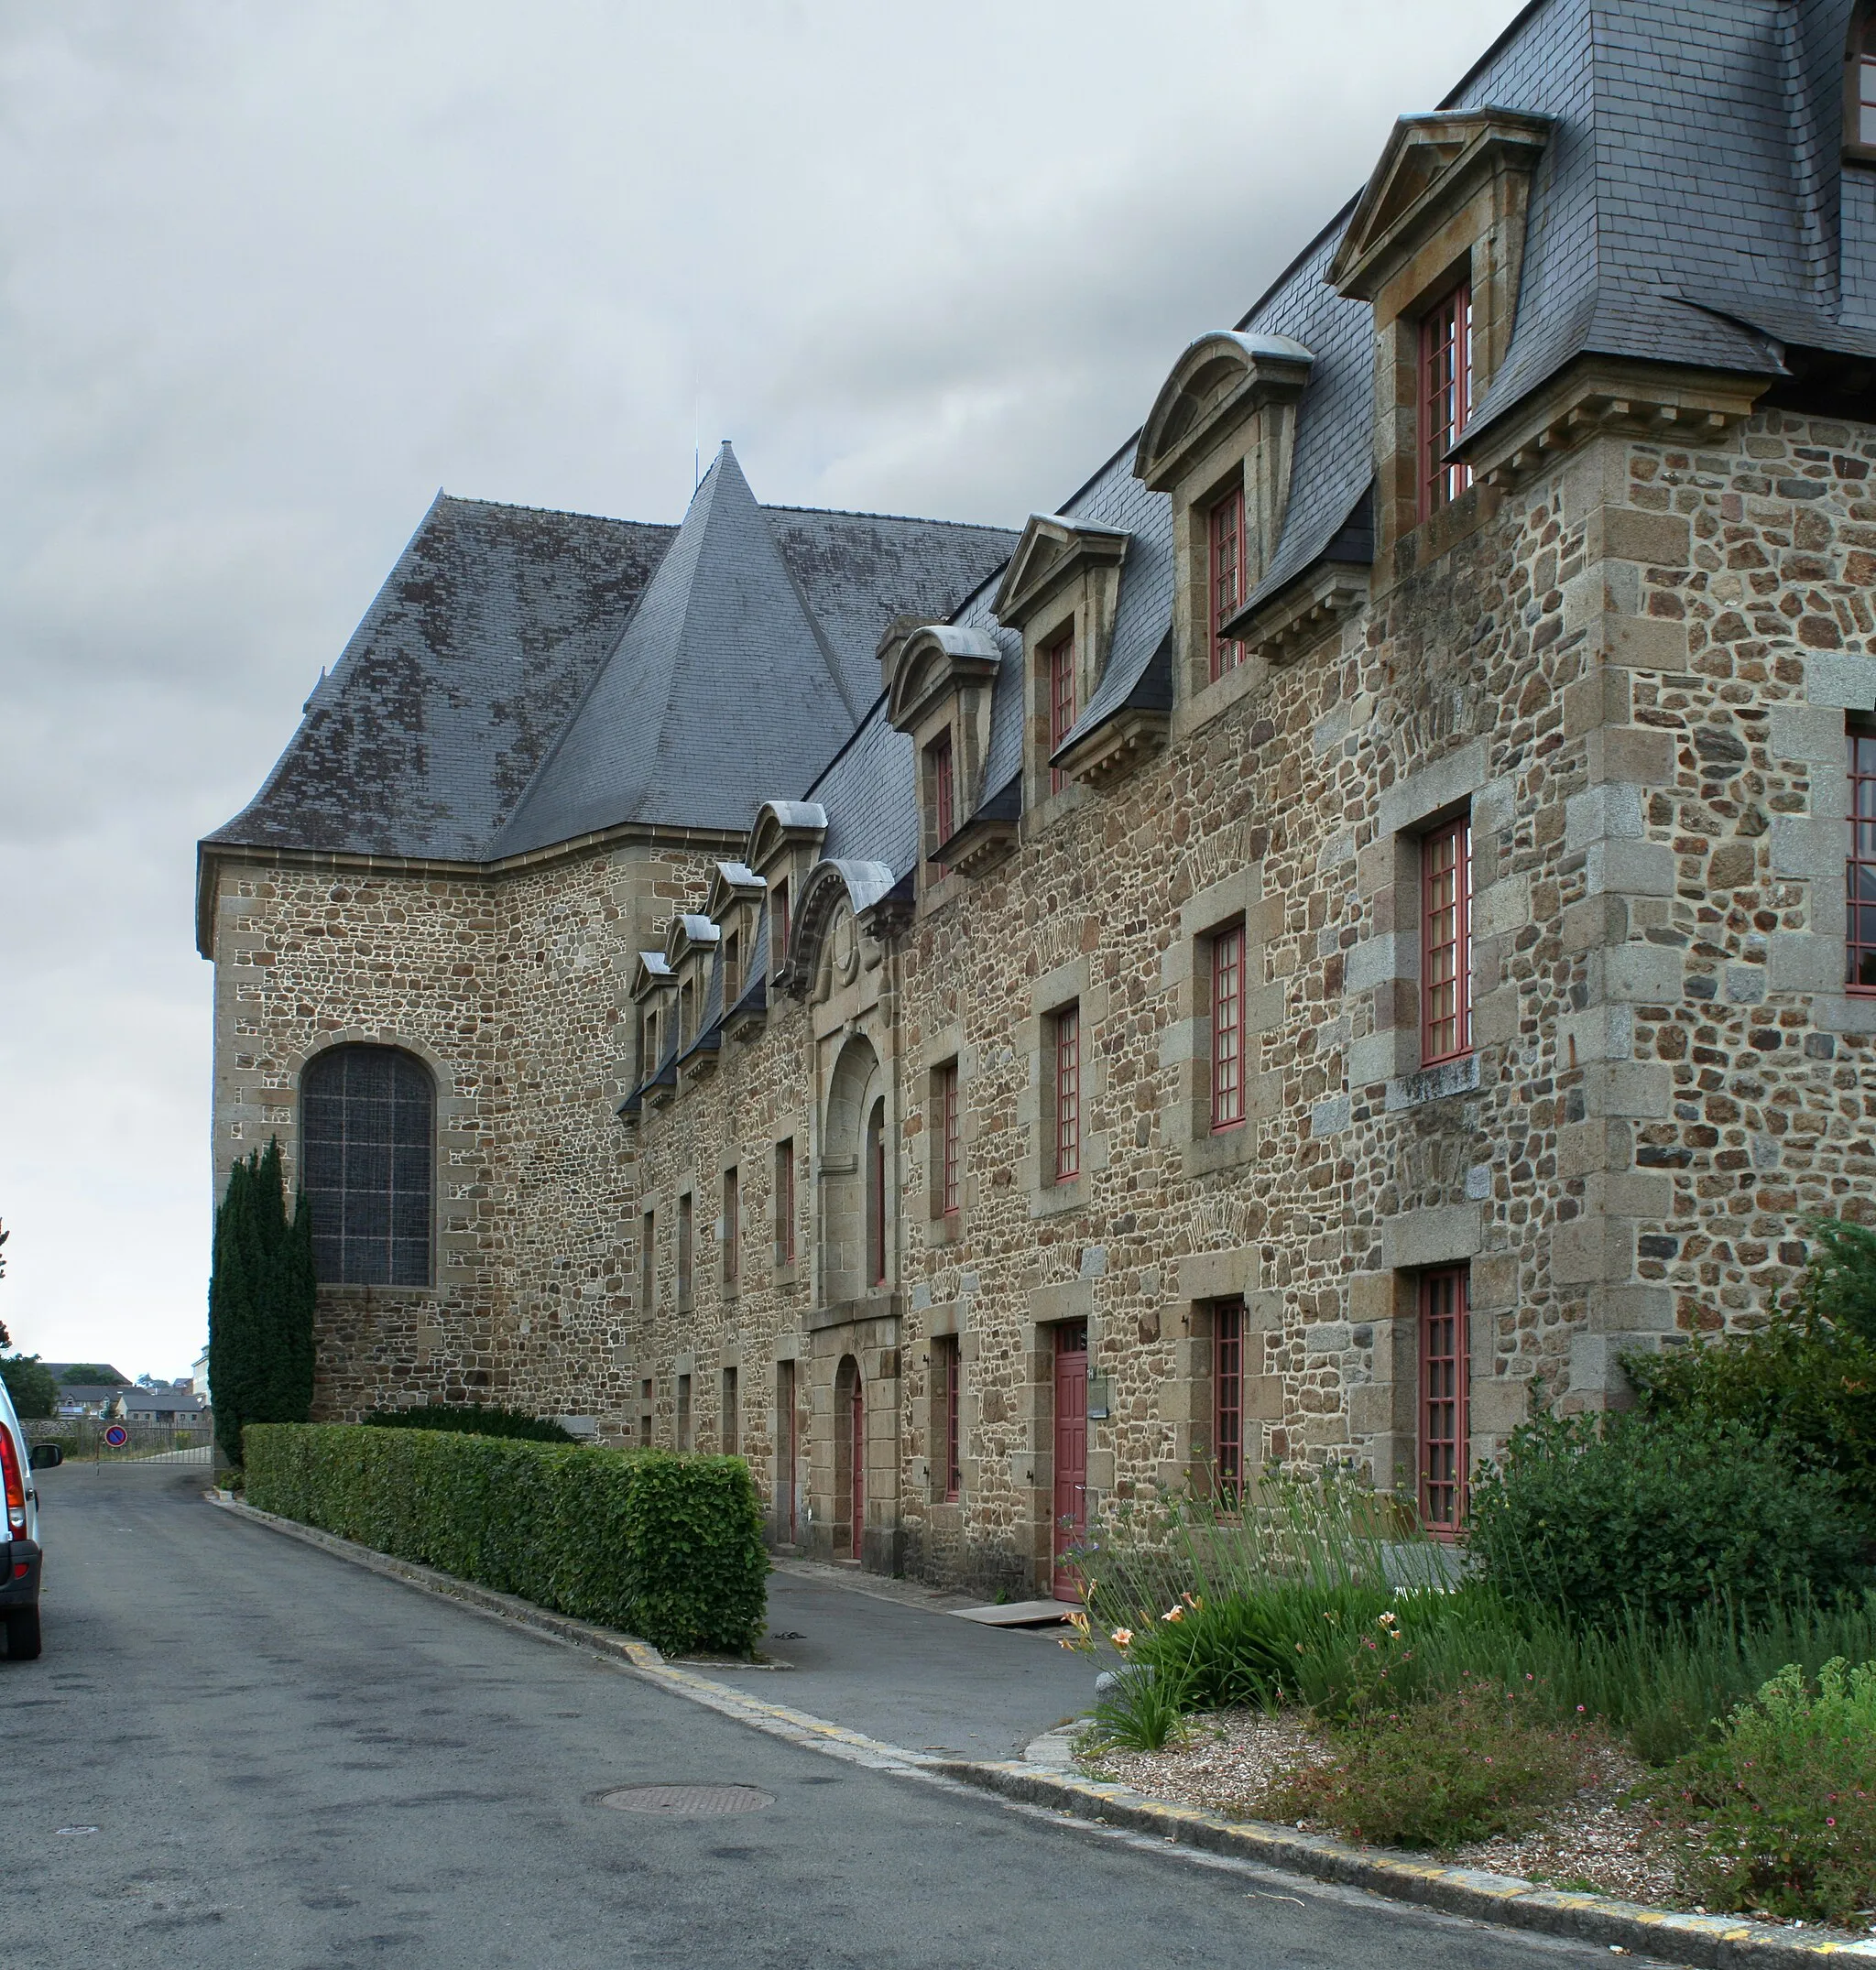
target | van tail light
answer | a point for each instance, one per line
(15, 1484)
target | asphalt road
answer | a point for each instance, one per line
(239, 1750)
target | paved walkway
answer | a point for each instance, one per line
(893, 1661)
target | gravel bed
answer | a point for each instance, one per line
(1228, 1761)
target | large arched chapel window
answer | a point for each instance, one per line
(368, 1135)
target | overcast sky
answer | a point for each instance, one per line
(277, 269)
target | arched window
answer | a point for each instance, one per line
(368, 1135)
(1860, 83)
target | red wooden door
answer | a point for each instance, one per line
(1071, 1452)
(856, 1464)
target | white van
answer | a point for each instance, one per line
(19, 1586)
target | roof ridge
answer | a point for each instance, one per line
(916, 519)
(558, 513)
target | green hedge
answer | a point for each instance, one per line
(665, 1547)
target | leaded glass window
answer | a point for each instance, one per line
(368, 1135)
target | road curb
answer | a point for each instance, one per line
(1709, 1942)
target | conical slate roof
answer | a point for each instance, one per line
(722, 689)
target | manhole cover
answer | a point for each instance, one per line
(687, 1800)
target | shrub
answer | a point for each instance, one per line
(1663, 1512)
(665, 1547)
(1783, 1805)
(1807, 1374)
(30, 1384)
(473, 1419)
(1480, 1762)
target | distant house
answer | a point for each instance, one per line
(164, 1403)
(198, 1375)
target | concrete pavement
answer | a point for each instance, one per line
(239, 1750)
(907, 1671)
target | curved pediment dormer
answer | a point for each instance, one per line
(936, 660)
(1220, 382)
(841, 906)
(781, 827)
(1220, 443)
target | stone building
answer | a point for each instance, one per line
(1348, 914)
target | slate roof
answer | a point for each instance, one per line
(508, 637)
(526, 678)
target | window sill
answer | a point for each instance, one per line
(1227, 1148)
(1218, 694)
(1056, 1199)
(946, 1228)
(785, 1273)
(1433, 1083)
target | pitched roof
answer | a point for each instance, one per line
(500, 642)
(465, 669)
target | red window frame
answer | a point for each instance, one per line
(732, 1224)
(1446, 943)
(946, 1351)
(1859, 866)
(1226, 530)
(944, 799)
(1227, 1396)
(1445, 395)
(1068, 1094)
(785, 1203)
(1446, 1399)
(1060, 655)
(778, 926)
(950, 1192)
(1227, 1029)
(732, 970)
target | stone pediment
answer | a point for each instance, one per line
(731, 883)
(650, 974)
(1221, 380)
(932, 661)
(1430, 167)
(689, 931)
(1053, 549)
(781, 825)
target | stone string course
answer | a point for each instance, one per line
(1636, 668)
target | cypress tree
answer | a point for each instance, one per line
(261, 1300)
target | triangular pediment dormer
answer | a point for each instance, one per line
(731, 883)
(1054, 550)
(651, 974)
(1430, 170)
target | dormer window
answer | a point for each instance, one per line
(732, 970)
(1226, 577)
(777, 925)
(1060, 661)
(648, 1042)
(1445, 395)
(687, 1013)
